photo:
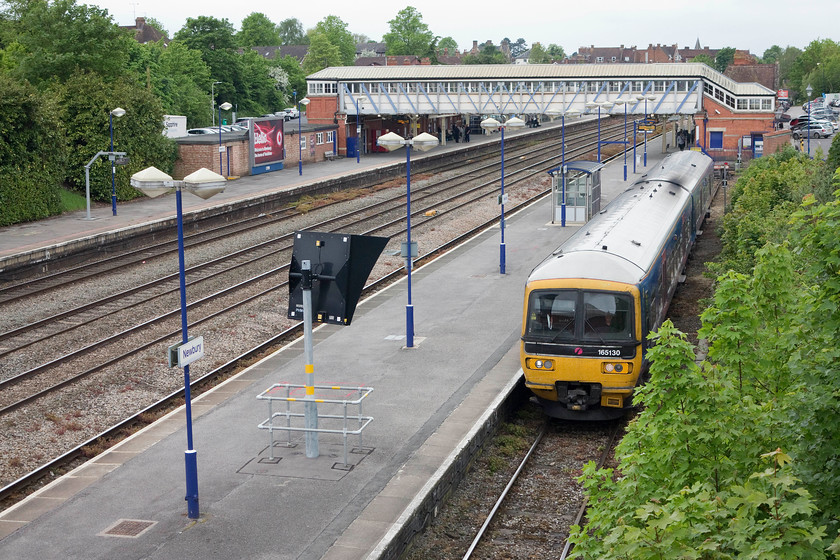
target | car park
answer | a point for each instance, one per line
(813, 130)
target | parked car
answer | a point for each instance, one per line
(813, 130)
(202, 131)
(291, 113)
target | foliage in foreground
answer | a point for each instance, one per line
(739, 457)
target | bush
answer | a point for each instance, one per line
(32, 154)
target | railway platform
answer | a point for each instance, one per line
(430, 405)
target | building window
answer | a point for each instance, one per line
(613, 59)
(319, 138)
(599, 59)
(302, 141)
(331, 136)
(716, 140)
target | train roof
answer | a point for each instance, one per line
(622, 241)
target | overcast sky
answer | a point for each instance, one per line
(744, 24)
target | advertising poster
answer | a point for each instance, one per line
(267, 138)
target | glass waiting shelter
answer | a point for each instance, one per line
(575, 191)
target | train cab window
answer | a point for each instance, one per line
(607, 316)
(551, 315)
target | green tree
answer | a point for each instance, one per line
(322, 54)
(86, 100)
(408, 35)
(488, 54)
(58, 39)
(724, 58)
(291, 32)
(258, 31)
(704, 59)
(447, 43)
(206, 33)
(518, 47)
(538, 55)
(335, 30)
(297, 78)
(178, 76)
(33, 157)
(556, 52)
(771, 55)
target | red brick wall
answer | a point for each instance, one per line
(775, 141)
(192, 157)
(734, 125)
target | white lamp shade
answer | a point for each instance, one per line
(118, 112)
(391, 141)
(514, 122)
(490, 124)
(225, 106)
(424, 142)
(152, 182)
(304, 101)
(205, 183)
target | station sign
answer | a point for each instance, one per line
(183, 354)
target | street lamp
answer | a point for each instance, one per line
(226, 106)
(492, 125)
(213, 102)
(646, 98)
(563, 162)
(423, 142)
(808, 91)
(622, 101)
(304, 102)
(118, 112)
(204, 183)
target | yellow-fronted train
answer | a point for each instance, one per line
(590, 305)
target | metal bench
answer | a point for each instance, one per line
(329, 155)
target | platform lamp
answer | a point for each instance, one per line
(117, 112)
(304, 102)
(204, 183)
(213, 101)
(423, 142)
(625, 102)
(492, 125)
(563, 115)
(591, 105)
(226, 107)
(808, 91)
(645, 98)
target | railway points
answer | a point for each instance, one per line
(431, 405)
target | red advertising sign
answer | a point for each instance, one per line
(268, 141)
(782, 94)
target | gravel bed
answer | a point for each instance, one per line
(34, 434)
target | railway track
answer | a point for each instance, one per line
(242, 276)
(542, 500)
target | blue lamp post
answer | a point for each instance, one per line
(592, 105)
(118, 112)
(423, 142)
(563, 162)
(621, 101)
(646, 98)
(224, 106)
(204, 183)
(808, 91)
(491, 125)
(303, 102)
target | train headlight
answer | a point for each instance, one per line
(617, 367)
(542, 364)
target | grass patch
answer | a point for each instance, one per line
(72, 201)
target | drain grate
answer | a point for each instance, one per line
(128, 528)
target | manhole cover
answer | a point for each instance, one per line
(128, 528)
